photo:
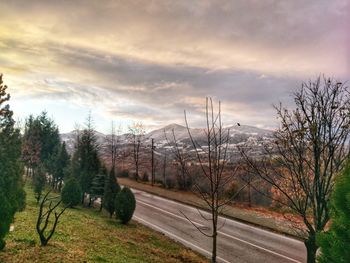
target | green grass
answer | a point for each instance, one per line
(86, 235)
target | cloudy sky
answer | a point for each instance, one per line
(149, 60)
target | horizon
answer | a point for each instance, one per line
(129, 62)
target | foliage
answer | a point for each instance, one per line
(39, 181)
(12, 196)
(86, 162)
(71, 192)
(40, 142)
(112, 188)
(335, 243)
(60, 162)
(98, 183)
(125, 205)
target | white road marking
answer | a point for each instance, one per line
(256, 246)
(172, 214)
(222, 233)
(143, 193)
(178, 238)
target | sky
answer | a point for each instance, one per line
(148, 61)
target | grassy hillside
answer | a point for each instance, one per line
(85, 235)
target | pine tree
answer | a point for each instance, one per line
(39, 180)
(60, 162)
(112, 188)
(335, 244)
(125, 204)
(31, 146)
(86, 162)
(12, 196)
(98, 185)
(71, 192)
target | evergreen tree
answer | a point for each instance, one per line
(86, 163)
(71, 192)
(335, 244)
(125, 205)
(39, 180)
(98, 185)
(112, 188)
(31, 146)
(49, 138)
(40, 142)
(60, 162)
(12, 196)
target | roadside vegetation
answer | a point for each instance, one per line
(86, 235)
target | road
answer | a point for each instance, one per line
(237, 242)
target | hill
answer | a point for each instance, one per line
(85, 235)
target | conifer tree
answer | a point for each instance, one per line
(12, 196)
(71, 192)
(125, 205)
(60, 162)
(31, 146)
(98, 185)
(86, 162)
(335, 244)
(112, 188)
(39, 180)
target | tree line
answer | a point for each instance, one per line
(37, 156)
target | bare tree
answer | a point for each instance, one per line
(212, 160)
(309, 150)
(136, 136)
(111, 145)
(43, 220)
(182, 159)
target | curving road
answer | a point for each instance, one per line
(237, 242)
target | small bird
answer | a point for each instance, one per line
(238, 124)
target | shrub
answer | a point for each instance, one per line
(125, 205)
(112, 188)
(335, 243)
(71, 192)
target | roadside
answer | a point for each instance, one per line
(261, 217)
(86, 235)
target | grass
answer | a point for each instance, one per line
(263, 217)
(85, 235)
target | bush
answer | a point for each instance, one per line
(39, 181)
(71, 192)
(112, 188)
(335, 243)
(125, 205)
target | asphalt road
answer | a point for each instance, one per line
(237, 242)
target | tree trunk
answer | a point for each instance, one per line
(213, 256)
(249, 196)
(311, 248)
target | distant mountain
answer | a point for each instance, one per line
(239, 134)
